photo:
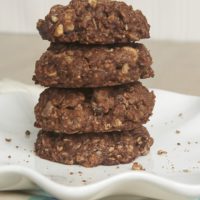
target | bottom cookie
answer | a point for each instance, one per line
(93, 149)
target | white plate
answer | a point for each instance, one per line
(172, 176)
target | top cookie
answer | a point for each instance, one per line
(94, 22)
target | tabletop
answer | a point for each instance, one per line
(176, 68)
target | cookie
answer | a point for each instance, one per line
(72, 66)
(93, 149)
(94, 22)
(94, 110)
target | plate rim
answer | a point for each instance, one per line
(90, 189)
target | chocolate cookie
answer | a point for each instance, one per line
(93, 149)
(71, 66)
(94, 22)
(94, 110)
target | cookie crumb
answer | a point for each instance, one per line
(189, 142)
(180, 114)
(27, 133)
(84, 181)
(8, 139)
(9, 156)
(71, 173)
(80, 173)
(161, 152)
(17, 147)
(137, 167)
(178, 132)
(179, 144)
(186, 170)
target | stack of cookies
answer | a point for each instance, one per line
(94, 109)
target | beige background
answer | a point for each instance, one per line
(176, 65)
